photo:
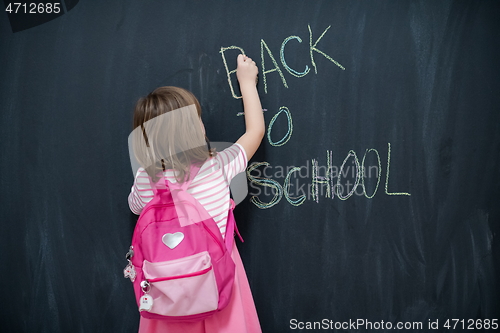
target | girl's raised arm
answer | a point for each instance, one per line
(246, 72)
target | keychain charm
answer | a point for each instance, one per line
(129, 272)
(146, 301)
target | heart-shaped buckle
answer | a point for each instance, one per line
(172, 240)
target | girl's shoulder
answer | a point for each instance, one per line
(230, 161)
(230, 154)
(234, 154)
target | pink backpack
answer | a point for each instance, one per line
(179, 264)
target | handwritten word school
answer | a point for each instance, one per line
(329, 179)
(318, 182)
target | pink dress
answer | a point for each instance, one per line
(211, 188)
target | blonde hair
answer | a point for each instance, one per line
(168, 132)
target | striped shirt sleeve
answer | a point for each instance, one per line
(140, 193)
(232, 161)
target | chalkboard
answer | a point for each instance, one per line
(373, 199)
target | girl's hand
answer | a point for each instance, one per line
(246, 71)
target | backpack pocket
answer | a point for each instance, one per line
(182, 287)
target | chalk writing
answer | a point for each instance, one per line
(295, 201)
(276, 67)
(314, 48)
(339, 193)
(318, 182)
(288, 134)
(228, 72)
(387, 174)
(322, 180)
(243, 113)
(363, 168)
(278, 190)
(322, 184)
(283, 61)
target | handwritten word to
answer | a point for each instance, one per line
(274, 67)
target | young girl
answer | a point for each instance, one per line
(210, 186)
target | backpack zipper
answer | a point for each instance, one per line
(206, 270)
(160, 205)
(214, 237)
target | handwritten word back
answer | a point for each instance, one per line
(274, 67)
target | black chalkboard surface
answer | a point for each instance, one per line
(373, 199)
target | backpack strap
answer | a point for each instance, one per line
(189, 210)
(231, 228)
